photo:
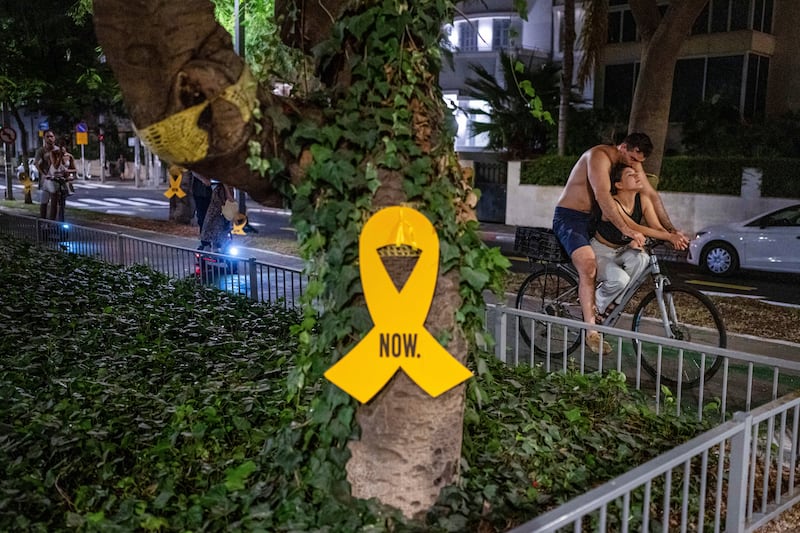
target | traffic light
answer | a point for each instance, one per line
(101, 137)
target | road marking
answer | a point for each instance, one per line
(87, 185)
(92, 201)
(721, 285)
(125, 201)
(162, 203)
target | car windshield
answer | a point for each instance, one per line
(789, 216)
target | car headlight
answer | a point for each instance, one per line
(699, 234)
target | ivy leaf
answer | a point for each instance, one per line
(477, 279)
(235, 478)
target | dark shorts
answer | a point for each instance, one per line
(573, 228)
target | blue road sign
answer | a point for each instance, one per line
(80, 127)
(44, 125)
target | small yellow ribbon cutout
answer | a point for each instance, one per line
(239, 222)
(27, 184)
(175, 187)
(399, 338)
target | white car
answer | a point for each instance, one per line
(33, 170)
(769, 242)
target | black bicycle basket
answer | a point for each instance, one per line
(539, 244)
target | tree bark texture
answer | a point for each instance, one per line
(410, 444)
(169, 56)
(662, 38)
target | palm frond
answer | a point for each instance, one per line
(593, 38)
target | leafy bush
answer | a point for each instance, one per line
(135, 402)
(706, 175)
(547, 170)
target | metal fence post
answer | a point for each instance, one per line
(252, 276)
(737, 480)
(120, 249)
(500, 322)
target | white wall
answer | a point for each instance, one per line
(537, 32)
(533, 205)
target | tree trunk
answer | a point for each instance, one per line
(410, 444)
(23, 134)
(172, 56)
(566, 73)
(661, 43)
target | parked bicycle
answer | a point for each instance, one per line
(669, 310)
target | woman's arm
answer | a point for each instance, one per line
(654, 228)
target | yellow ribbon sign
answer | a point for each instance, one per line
(239, 222)
(27, 184)
(399, 338)
(175, 187)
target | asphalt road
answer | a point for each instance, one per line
(124, 198)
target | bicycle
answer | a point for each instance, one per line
(669, 310)
(58, 198)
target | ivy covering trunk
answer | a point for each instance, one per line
(377, 136)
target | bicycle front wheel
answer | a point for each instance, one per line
(554, 293)
(691, 317)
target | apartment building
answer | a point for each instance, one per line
(745, 51)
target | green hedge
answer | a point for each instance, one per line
(708, 175)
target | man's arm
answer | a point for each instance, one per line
(658, 206)
(654, 228)
(39, 159)
(599, 171)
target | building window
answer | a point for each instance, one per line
(468, 37)
(501, 34)
(724, 79)
(700, 79)
(701, 22)
(709, 78)
(762, 16)
(618, 87)
(733, 15)
(621, 26)
(755, 98)
(740, 15)
(687, 87)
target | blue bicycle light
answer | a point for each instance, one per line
(233, 250)
(64, 226)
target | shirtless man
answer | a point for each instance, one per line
(42, 162)
(590, 182)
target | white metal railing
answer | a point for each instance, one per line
(743, 381)
(735, 477)
(257, 280)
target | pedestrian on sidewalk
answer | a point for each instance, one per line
(42, 162)
(217, 223)
(121, 166)
(201, 193)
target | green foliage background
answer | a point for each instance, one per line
(131, 402)
(706, 175)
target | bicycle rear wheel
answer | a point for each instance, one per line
(550, 292)
(693, 318)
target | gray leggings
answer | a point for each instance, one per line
(616, 267)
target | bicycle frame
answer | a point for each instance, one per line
(660, 280)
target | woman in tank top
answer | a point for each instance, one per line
(618, 262)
